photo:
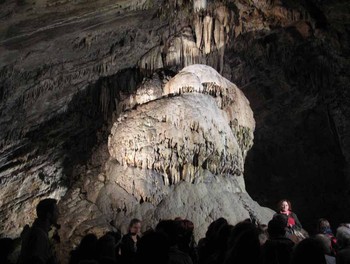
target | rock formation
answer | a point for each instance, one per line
(178, 150)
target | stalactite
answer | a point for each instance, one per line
(191, 54)
(182, 51)
(222, 26)
(173, 57)
(217, 27)
(198, 28)
(199, 5)
(104, 100)
(208, 29)
(221, 59)
(152, 60)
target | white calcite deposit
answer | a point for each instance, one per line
(177, 149)
(194, 134)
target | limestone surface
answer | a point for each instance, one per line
(176, 152)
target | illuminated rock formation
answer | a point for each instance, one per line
(194, 134)
(177, 149)
(208, 34)
(199, 5)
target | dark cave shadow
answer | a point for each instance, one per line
(72, 136)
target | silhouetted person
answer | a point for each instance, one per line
(86, 251)
(263, 234)
(186, 242)
(128, 245)
(206, 245)
(153, 247)
(172, 229)
(278, 248)
(324, 228)
(308, 251)
(343, 240)
(6, 248)
(106, 249)
(36, 246)
(117, 235)
(220, 245)
(327, 247)
(244, 245)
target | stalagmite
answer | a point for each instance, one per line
(146, 138)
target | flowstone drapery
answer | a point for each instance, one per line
(178, 149)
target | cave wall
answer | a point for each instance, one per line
(295, 78)
(63, 66)
(53, 94)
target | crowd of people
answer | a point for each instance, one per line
(282, 241)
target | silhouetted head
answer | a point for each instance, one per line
(106, 248)
(187, 225)
(326, 243)
(186, 231)
(223, 236)
(323, 226)
(239, 229)
(47, 210)
(214, 227)
(134, 226)
(6, 248)
(117, 235)
(171, 229)
(263, 234)
(87, 249)
(277, 226)
(308, 251)
(244, 245)
(152, 248)
(343, 236)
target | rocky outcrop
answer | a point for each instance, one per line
(173, 153)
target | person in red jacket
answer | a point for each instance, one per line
(294, 230)
(285, 208)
